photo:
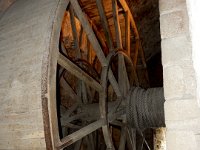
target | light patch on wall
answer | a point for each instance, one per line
(194, 15)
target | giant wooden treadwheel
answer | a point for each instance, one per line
(82, 82)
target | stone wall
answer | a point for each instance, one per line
(146, 15)
(182, 113)
(194, 12)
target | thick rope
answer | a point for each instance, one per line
(145, 108)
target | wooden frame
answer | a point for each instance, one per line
(56, 58)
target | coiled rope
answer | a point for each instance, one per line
(145, 108)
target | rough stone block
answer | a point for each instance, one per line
(171, 5)
(198, 139)
(174, 24)
(179, 81)
(181, 140)
(184, 125)
(176, 49)
(182, 110)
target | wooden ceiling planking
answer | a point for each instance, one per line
(90, 9)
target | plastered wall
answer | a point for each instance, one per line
(180, 70)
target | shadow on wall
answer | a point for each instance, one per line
(147, 16)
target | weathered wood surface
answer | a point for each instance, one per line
(78, 72)
(72, 138)
(90, 8)
(25, 30)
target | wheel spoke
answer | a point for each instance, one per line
(105, 24)
(72, 138)
(107, 137)
(65, 119)
(100, 37)
(91, 94)
(121, 64)
(90, 143)
(122, 142)
(78, 145)
(84, 93)
(114, 83)
(127, 32)
(70, 125)
(68, 112)
(74, 32)
(117, 25)
(68, 88)
(131, 141)
(122, 75)
(78, 72)
(91, 139)
(91, 36)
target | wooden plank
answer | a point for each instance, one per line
(135, 56)
(107, 137)
(141, 51)
(74, 32)
(92, 140)
(122, 74)
(81, 37)
(72, 138)
(121, 64)
(122, 142)
(132, 21)
(131, 138)
(105, 24)
(67, 119)
(69, 89)
(84, 93)
(78, 145)
(103, 109)
(69, 111)
(90, 34)
(100, 37)
(127, 33)
(117, 25)
(89, 52)
(70, 125)
(78, 72)
(123, 79)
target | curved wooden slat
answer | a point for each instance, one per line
(132, 21)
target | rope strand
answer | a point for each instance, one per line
(145, 108)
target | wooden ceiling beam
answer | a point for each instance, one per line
(133, 24)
